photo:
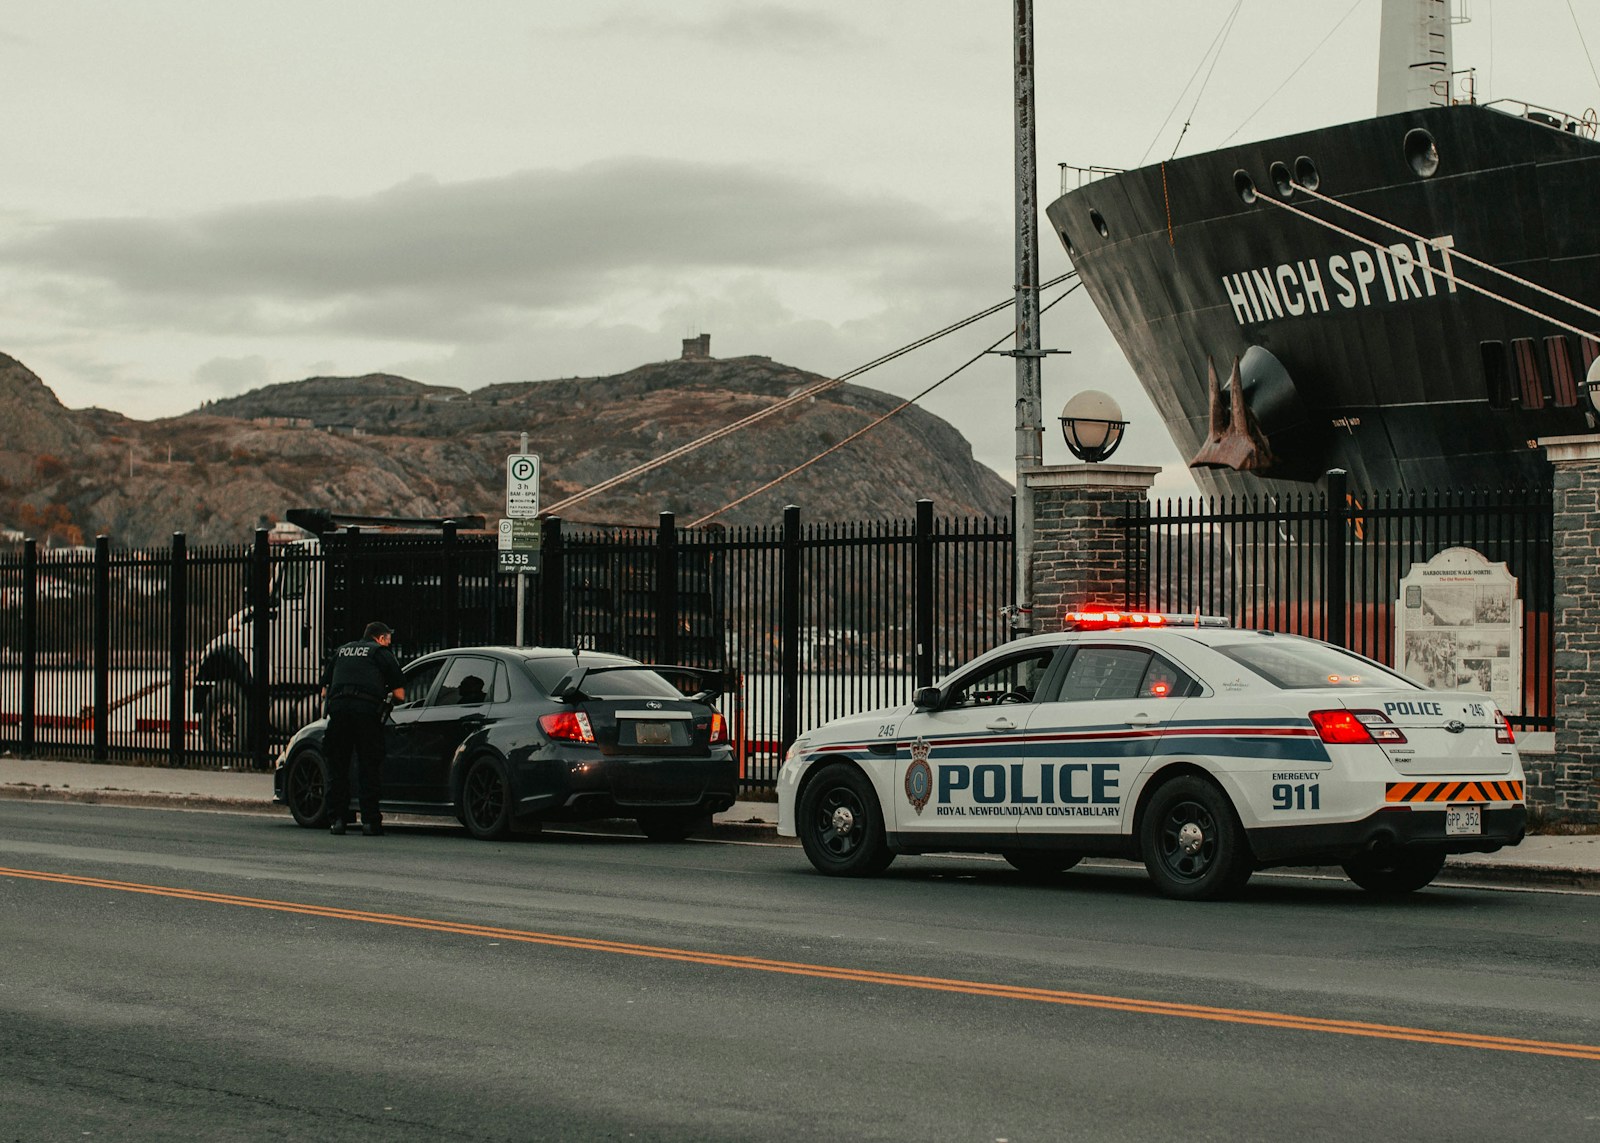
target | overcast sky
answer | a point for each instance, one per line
(202, 198)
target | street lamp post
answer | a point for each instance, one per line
(1030, 430)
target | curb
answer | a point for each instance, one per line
(1520, 876)
(26, 793)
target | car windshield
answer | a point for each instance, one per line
(1303, 665)
(547, 672)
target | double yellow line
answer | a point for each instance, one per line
(853, 975)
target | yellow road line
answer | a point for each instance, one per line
(854, 975)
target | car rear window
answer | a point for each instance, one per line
(1302, 665)
(610, 684)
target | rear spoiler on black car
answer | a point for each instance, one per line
(570, 688)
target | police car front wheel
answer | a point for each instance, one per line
(1192, 843)
(841, 824)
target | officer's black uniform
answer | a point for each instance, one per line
(359, 677)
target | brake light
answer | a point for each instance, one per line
(567, 725)
(719, 729)
(1502, 730)
(1355, 727)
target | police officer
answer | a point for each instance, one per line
(360, 676)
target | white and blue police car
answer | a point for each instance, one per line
(1205, 751)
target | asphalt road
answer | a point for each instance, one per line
(183, 975)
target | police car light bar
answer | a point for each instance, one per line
(1109, 619)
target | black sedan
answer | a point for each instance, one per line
(505, 738)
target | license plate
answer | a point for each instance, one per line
(1463, 819)
(652, 734)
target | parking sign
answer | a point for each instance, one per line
(522, 486)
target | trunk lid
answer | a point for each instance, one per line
(1446, 733)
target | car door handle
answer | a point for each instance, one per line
(1142, 719)
(1001, 723)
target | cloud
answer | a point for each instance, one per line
(429, 261)
(742, 27)
(229, 376)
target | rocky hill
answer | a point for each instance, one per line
(386, 445)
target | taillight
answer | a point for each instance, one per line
(1502, 730)
(1355, 727)
(719, 729)
(567, 725)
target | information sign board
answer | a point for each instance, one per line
(1458, 627)
(518, 543)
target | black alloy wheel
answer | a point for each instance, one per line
(1041, 862)
(672, 825)
(486, 800)
(305, 788)
(841, 825)
(1395, 874)
(1192, 843)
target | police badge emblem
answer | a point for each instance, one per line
(919, 776)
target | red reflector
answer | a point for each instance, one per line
(1341, 728)
(719, 728)
(567, 725)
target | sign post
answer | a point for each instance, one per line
(519, 530)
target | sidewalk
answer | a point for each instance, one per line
(1543, 861)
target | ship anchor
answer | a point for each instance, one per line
(1236, 440)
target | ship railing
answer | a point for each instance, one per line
(1554, 118)
(1074, 177)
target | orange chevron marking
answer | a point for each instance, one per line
(1459, 792)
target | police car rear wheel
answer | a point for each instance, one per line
(1041, 863)
(841, 826)
(1394, 873)
(486, 801)
(1192, 844)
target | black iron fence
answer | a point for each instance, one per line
(1330, 564)
(211, 657)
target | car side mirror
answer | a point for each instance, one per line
(925, 698)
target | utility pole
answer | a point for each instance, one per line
(1030, 432)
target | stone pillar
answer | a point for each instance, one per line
(1078, 555)
(1563, 784)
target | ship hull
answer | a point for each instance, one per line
(1395, 381)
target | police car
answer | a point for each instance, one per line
(1205, 751)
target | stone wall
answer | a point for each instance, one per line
(1077, 548)
(1563, 785)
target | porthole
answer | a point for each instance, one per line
(1099, 223)
(1306, 173)
(1279, 173)
(1421, 152)
(1244, 186)
(1066, 240)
